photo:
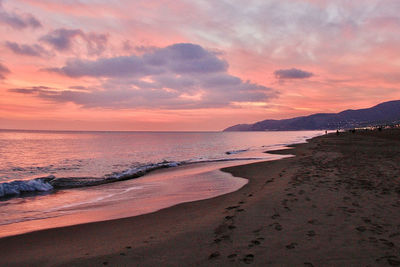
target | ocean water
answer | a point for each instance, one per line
(37, 169)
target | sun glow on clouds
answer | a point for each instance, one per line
(192, 65)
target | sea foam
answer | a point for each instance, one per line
(18, 187)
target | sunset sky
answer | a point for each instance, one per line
(192, 65)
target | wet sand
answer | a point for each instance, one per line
(337, 203)
(157, 190)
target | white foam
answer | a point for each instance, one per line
(18, 187)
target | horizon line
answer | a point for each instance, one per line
(144, 131)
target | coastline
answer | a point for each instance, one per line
(329, 205)
(160, 189)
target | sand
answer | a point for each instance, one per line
(337, 203)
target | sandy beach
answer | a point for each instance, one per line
(335, 204)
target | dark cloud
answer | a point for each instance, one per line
(3, 71)
(125, 98)
(178, 59)
(31, 90)
(27, 50)
(105, 67)
(78, 87)
(63, 40)
(18, 21)
(180, 76)
(292, 73)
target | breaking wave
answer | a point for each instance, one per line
(49, 183)
(18, 187)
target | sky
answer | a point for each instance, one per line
(186, 65)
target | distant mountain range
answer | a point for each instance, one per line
(384, 113)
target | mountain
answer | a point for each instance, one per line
(384, 113)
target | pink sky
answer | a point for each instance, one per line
(192, 65)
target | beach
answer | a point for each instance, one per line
(336, 203)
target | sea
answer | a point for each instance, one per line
(59, 178)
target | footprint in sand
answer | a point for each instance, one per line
(276, 215)
(311, 233)
(254, 243)
(269, 181)
(314, 222)
(214, 255)
(232, 207)
(291, 246)
(387, 242)
(232, 256)
(277, 226)
(249, 258)
(394, 234)
(361, 228)
(393, 262)
(257, 230)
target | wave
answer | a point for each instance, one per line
(19, 187)
(232, 152)
(49, 183)
(43, 184)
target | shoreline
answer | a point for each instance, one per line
(171, 182)
(326, 206)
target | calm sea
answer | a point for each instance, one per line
(29, 203)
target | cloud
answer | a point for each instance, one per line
(63, 39)
(31, 90)
(3, 71)
(177, 58)
(26, 50)
(18, 21)
(180, 76)
(292, 73)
